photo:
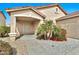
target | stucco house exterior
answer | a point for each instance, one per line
(25, 20)
(2, 19)
(71, 24)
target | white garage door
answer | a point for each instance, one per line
(26, 27)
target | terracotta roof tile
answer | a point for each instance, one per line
(74, 14)
(38, 7)
(35, 9)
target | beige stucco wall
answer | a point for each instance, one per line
(72, 27)
(50, 12)
(2, 19)
(24, 27)
(27, 13)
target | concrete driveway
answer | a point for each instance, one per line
(47, 47)
(28, 45)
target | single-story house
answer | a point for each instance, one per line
(25, 20)
(71, 24)
(2, 19)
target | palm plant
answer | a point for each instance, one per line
(48, 29)
(45, 28)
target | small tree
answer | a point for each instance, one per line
(4, 30)
(48, 30)
(45, 29)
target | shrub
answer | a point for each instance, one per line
(4, 30)
(5, 48)
(43, 29)
(58, 34)
(63, 33)
(48, 30)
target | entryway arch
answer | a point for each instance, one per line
(26, 25)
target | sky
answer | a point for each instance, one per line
(68, 7)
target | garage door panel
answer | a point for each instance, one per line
(27, 27)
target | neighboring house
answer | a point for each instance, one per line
(2, 19)
(25, 20)
(71, 24)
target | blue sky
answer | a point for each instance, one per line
(68, 7)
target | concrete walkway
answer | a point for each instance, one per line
(28, 45)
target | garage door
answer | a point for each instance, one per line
(26, 27)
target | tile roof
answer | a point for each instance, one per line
(74, 14)
(38, 7)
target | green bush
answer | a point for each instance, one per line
(43, 29)
(4, 30)
(53, 30)
(59, 33)
(5, 48)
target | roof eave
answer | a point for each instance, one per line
(61, 19)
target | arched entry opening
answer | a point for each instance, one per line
(26, 25)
